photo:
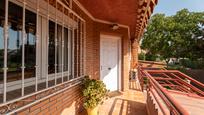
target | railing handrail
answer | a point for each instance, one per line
(171, 103)
(188, 85)
(201, 85)
(191, 79)
(175, 105)
(152, 62)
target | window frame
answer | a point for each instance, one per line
(28, 82)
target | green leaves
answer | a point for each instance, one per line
(94, 92)
(175, 36)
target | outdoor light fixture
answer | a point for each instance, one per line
(115, 26)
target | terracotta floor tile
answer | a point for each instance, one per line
(131, 102)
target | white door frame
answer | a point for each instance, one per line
(102, 36)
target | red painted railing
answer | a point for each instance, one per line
(155, 81)
(173, 106)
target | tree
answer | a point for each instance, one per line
(175, 36)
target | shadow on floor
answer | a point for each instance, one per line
(130, 102)
(133, 85)
(127, 107)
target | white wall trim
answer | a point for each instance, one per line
(120, 63)
(99, 20)
(83, 9)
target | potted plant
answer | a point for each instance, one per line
(94, 92)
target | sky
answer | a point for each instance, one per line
(170, 7)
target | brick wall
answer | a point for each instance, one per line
(134, 51)
(70, 100)
(93, 32)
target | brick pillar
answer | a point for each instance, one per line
(134, 52)
(125, 63)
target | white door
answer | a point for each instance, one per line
(109, 62)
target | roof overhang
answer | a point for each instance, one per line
(132, 13)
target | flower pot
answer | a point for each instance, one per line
(92, 111)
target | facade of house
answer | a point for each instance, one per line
(48, 46)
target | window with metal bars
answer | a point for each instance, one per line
(41, 47)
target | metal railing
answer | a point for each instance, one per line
(173, 106)
(154, 81)
(62, 15)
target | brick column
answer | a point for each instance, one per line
(125, 63)
(134, 52)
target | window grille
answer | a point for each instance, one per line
(42, 48)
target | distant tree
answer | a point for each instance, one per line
(177, 36)
(198, 47)
(141, 56)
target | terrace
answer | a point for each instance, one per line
(48, 46)
(167, 92)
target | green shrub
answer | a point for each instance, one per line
(94, 92)
(150, 57)
(147, 57)
(193, 64)
(141, 56)
(145, 80)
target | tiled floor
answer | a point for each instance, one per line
(131, 102)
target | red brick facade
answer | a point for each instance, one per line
(93, 31)
(134, 52)
(70, 100)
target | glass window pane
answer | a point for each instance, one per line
(59, 48)
(42, 54)
(65, 49)
(15, 15)
(59, 52)
(51, 58)
(30, 44)
(70, 53)
(78, 52)
(2, 16)
(30, 48)
(14, 59)
(75, 52)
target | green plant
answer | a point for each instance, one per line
(94, 92)
(172, 37)
(193, 64)
(141, 56)
(150, 57)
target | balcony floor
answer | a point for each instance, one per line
(131, 102)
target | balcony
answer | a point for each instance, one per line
(157, 91)
(48, 46)
(171, 92)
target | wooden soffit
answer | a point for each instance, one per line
(133, 13)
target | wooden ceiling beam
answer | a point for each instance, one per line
(145, 14)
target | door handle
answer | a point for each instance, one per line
(109, 68)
